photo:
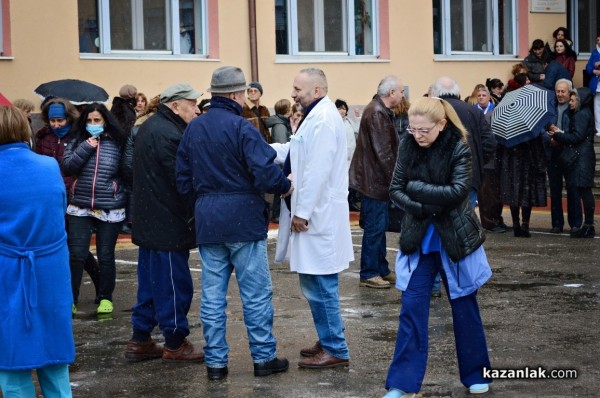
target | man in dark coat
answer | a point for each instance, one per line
(480, 138)
(554, 72)
(164, 234)
(224, 162)
(370, 174)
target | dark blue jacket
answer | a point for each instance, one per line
(554, 72)
(224, 160)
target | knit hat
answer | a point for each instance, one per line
(258, 86)
(56, 111)
(227, 79)
(179, 91)
(128, 91)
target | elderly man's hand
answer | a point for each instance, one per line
(299, 224)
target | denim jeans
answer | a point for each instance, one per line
(249, 260)
(374, 216)
(322, 294)
(409, 362)
(80, 235)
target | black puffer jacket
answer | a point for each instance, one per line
(432, 186)
(580, 136)
(97, 170)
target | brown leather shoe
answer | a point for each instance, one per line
(323, 360)
(185, 353)
(312, 351)
(140, 351)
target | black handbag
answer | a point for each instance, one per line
(568, 157)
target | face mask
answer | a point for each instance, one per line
(94, 129)
(61, 131)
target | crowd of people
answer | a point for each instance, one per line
(177, 174)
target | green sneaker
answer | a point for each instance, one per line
(105, 307)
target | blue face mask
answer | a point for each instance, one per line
(61, 131)
(94, 129)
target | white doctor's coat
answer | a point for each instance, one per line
(320, 173)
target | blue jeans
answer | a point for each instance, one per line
(80, 235)
(249, 260)
(53, 379)
(164, 296)
(408, 365)
(374, 216)
(322, 294)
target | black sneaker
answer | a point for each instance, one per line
(216, 373)
(273, 366)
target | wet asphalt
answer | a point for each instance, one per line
(540, 308)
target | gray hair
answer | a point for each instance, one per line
(318, 76)
(565, 81)
(446, 86)
(387, 84)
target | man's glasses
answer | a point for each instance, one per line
(414, 131)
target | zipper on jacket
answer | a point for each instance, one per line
(95, 173)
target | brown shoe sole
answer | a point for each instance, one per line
(335, 365)
(367, 284)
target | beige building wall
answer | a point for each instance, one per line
(51, 51)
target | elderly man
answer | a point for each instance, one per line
(227, 166)
(162, 232)
(557, 172)
(480, 138)
(370, 174)
(255, 112)
(320, 245)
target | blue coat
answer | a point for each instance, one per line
(35, 315)
(589, 68)
(224, 161)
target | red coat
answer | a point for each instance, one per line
(567, 62)
(49, 144)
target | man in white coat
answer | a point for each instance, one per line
(320, 245)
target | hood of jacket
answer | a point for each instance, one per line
(277, 119)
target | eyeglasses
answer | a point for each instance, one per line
(414, 131)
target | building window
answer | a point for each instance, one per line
(326, 27)
(584, 19)
(149, 26)
(474, 27)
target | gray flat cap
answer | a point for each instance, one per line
(179, 91)
(227, 79)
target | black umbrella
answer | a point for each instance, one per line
(522, 115)
(78, 92)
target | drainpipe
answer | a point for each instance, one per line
(253, 49)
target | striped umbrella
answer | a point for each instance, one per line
(522, 115)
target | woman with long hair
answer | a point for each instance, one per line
(97, 198)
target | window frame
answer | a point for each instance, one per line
(573, 26)
(494, 31)
(104, 34)
(295, 55)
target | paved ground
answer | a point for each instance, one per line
(541, 308)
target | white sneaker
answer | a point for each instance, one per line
(479, 388)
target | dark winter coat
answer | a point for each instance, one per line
(162, 216)
(480, 137)
(580, 136)
(535, 67)
(523, 174)
(124, 111)
(97, 172)
(432, 186)
(49, 144)
(226, 164)
(376, 150)
(257, 116)
(281, 130)
(554, 72)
